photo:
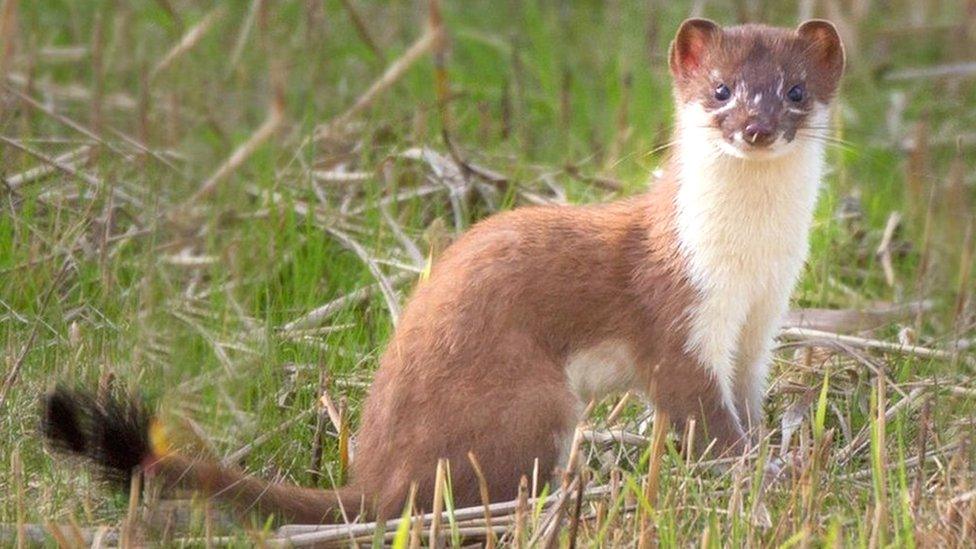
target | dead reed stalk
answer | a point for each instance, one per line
(659, 434)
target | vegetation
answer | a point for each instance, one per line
(222, 205)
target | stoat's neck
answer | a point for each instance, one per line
(733, 212)
(742, 227)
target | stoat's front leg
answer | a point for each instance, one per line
(686, 390)
(752, 361)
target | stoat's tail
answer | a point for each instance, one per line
(122, 437)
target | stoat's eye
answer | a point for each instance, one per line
(796, 93)
(722, 92)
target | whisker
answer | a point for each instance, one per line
(842, 145)
(661, 147)
(825, 137)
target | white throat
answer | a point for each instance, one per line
(744, 210)
(743, 227)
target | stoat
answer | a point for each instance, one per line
(532, 313)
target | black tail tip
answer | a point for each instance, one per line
(66, 419)
(112, 432)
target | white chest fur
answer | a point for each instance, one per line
(743, 226)
(599, 370)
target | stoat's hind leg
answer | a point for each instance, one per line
(509, 405)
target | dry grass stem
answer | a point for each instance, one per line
(854, 320)
(884, 248)
(806, 336)
(53, 162)
(659, 434)
(384, 283)
(274, 120)
(186, 43)
(237, 455)
(440, 478)
(362, 30)
(68, 159)
(393, 73)
(950, 70)
(62, 119)
(485, 498)
(242, 36)
(13, 373)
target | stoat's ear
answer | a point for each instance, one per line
(690, 45)
(825, 45)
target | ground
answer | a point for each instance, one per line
(186, 183)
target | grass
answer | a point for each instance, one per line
(110, 274)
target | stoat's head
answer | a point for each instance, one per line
(753, 91)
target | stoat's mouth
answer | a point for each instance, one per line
(738, 147)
